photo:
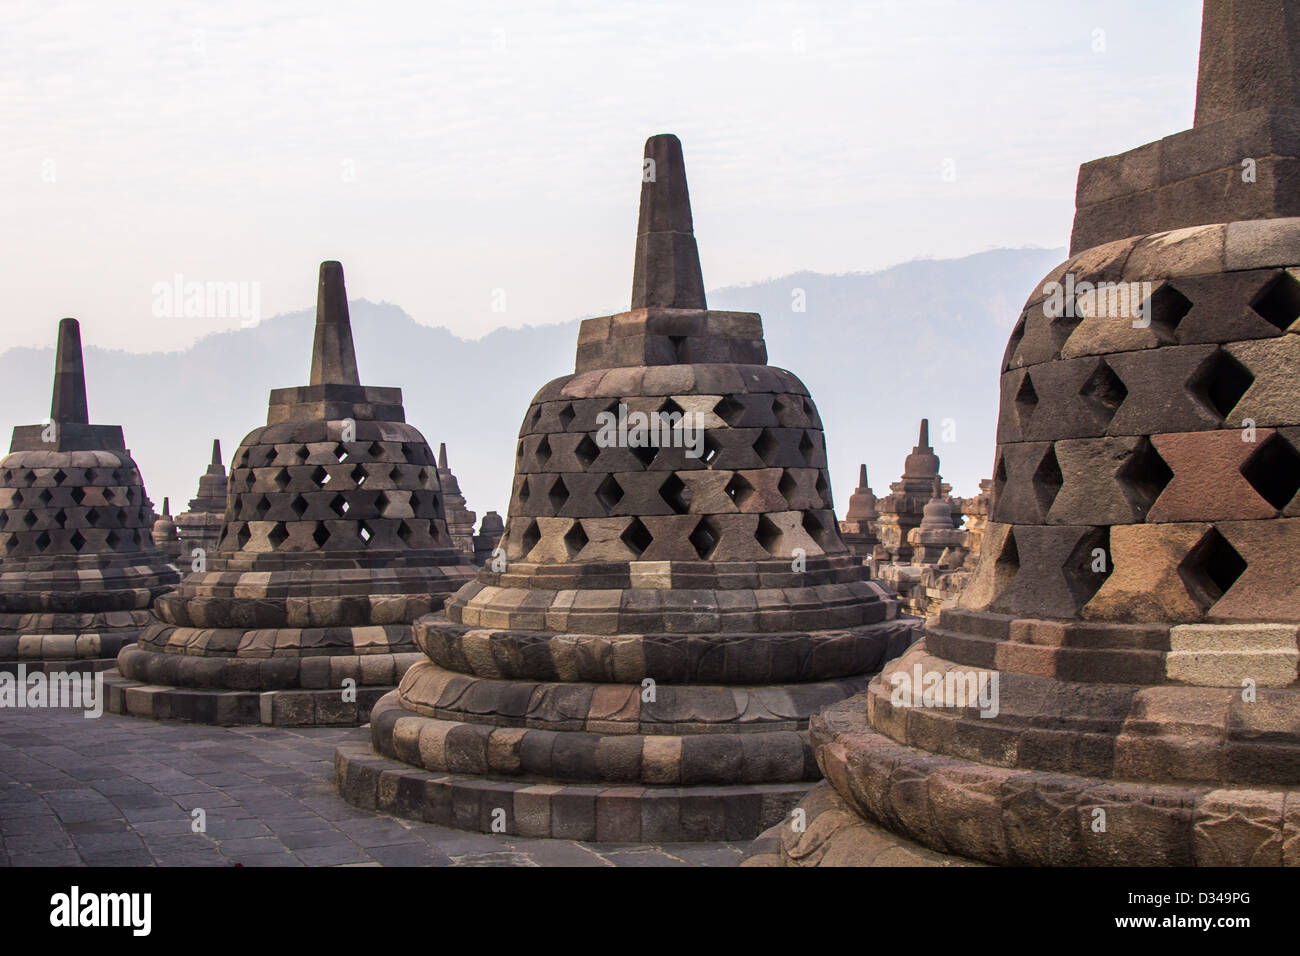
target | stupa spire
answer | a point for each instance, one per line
(68, 405)
(1250, 57)
(442, 456)
(333, 359)
(216, 452)
(667, 269)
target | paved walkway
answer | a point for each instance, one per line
(121, 791)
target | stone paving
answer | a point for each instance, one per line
(120, 791)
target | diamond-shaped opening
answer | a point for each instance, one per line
(262, 507)
(90, 476)
(375, 450)
(1048, 479)
(61, 518)
(609, 493)
(108, 495)
(729, 410)
(646, 454)
(1168, 307)
(637, 537)
(339, 505)
(711, 450)
(787, 486)
(1084, 573)
(1026, 400)
(243, 535)
(341, 452)
(410, 455)
(767, 534)
(807, 447)
(677, 495)
(781, 412)
(76, 540)
(575, 539)
(678, 342)
(92, 516)
(1220, 382)
(358, 475)
(739, 490)
(567, 415)
(282, 479)
(321, 534)
(1007, 565)
(1104, 390)
(422, 479)
(9, 476)
(382, 502)
(29, 518)
(43, 541)
(766, 446)
(320, 476)
(668, 408)
(59, 476)
(130, 496)
(30, 477)
(543, 450)
(1211, 568)
(279, 534)
(299, 505)
(1274, 471)
(524, 490)
(532, 535)
(816, 530)
(1143, 476)
(535, 417)
(519, 450)
(704, 538)
(1279, 301)
(823, 489)
(587, 451)
(11, 542)
(121, 516)
(364, 532)
(45, 496)
(112, 538)
(302, 454)
(558, 495)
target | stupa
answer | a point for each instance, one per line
(78, 566)
(677, 601)
(460, 520)
(902, 509)
(858, 529)
(334, 542)
(1136, 605)
(200, 526)
(490, 531)
(164, 533)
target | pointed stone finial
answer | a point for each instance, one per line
(862, 476)
(666, 273)
(167, 508)
(442, 456)
(1250, 57)
(333, 361)
(68, 406)
(923, 440)
(216, 452)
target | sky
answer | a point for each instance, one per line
(479, 164)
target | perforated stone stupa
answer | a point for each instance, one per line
(1137, 597)
(78, 566)
(645, 667)
(334, 541)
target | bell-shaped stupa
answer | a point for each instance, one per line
(1132, 624)
(334, 541)
(675, 600)
(78, 565)
(200, 527)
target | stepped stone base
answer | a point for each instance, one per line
(291, 707)
(91, 665)
(833, 835)
(77, 642)
(600, 813)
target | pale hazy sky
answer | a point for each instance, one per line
(443, 151)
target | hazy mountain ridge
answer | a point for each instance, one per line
(878, 351)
